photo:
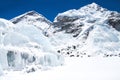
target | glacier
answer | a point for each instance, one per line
(25, 45)
(1, 71)
(83, 41)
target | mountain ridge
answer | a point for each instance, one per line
(76, 25)
(89, 31)
(32, 18)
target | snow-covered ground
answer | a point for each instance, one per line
(93, 68)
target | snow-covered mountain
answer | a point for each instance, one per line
(31, 43)
(35, 19)
(31, 39)
(32, 18)
(72, 20)
(88, 30)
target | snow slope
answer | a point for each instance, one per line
(106, 43)
(96, 68)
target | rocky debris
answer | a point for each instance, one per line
(72, 51)
(112, 55)
(32, 68)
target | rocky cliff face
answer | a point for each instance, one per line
(114, 20)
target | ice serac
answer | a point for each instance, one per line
(74, 29)
(23, 45)
(32, 18)
(1, 71)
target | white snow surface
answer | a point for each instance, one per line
(95, 68)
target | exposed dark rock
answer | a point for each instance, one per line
(66, 18)
(71, 55)
(77, 55)
(24, 56)
(31, 70)
(74, 47)
(68, 53)
(11, 58)
(89, 56)
(115, 23)
(65, 23)
(58, 51)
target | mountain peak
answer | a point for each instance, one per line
(93, 4)
(27, 15)
(93, 7)
(33, 13)
(32, 18)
